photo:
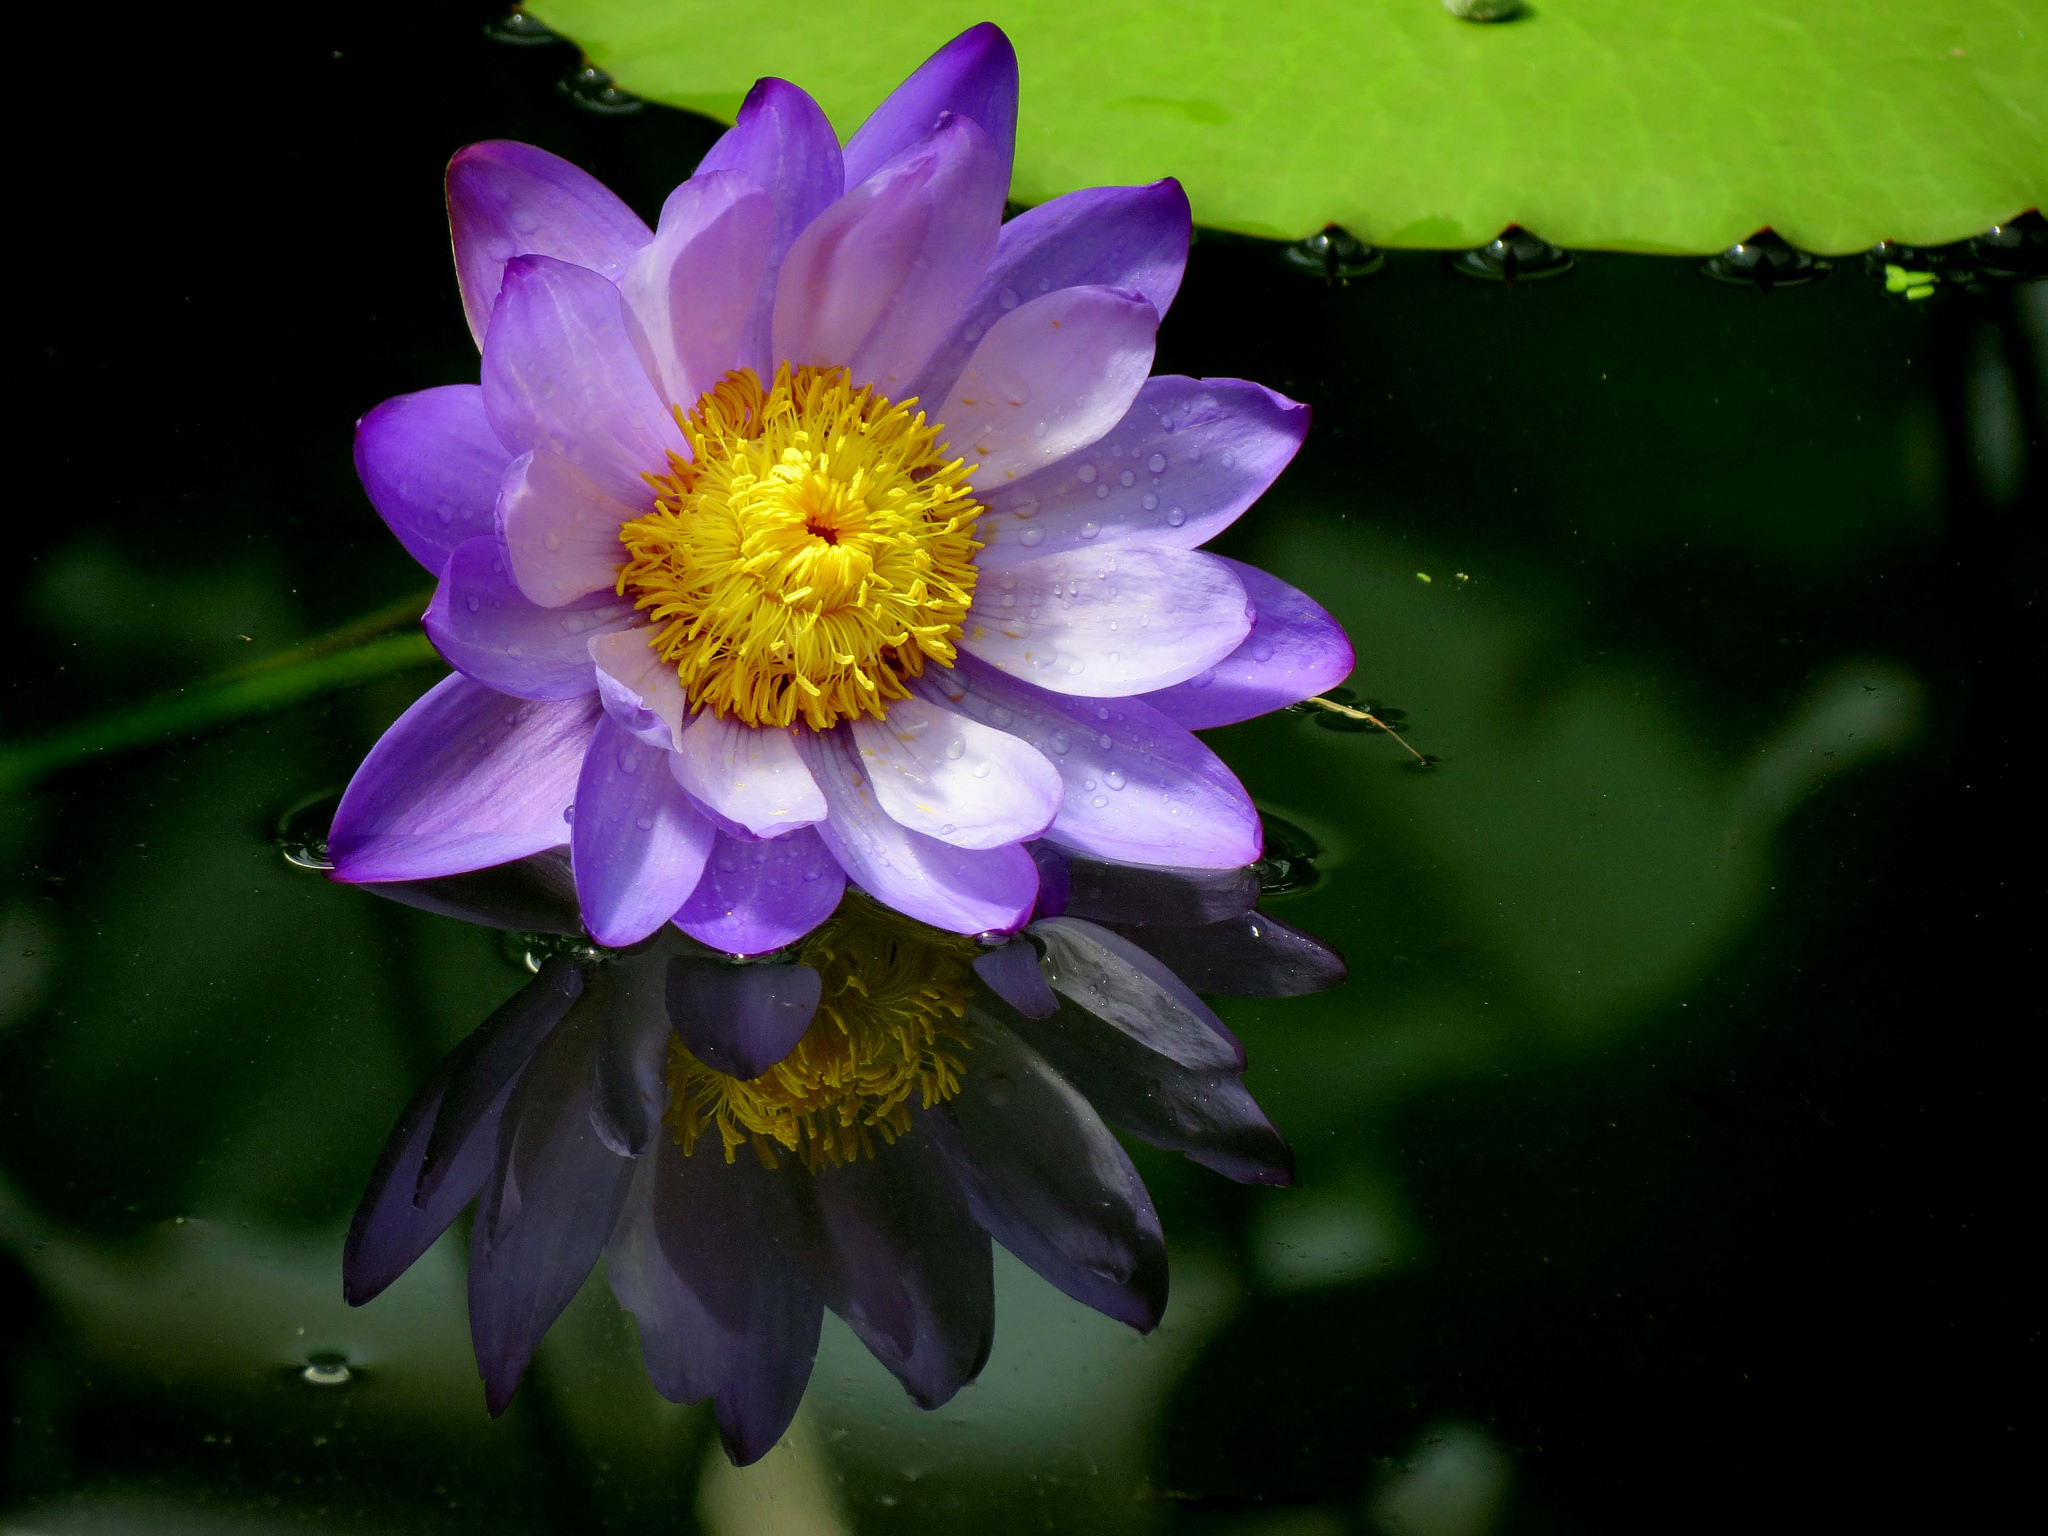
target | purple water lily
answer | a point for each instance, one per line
(750, 1144)
(831, 531)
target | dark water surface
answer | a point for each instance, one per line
(1660, 1162)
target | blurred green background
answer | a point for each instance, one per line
(1661, 1162)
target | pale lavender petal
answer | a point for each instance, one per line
(750, 775)
(486, 629)
(561, 529)
(1138, 787)
(1294, 651)
(945, 774)
(1108, 623)
(781, 142)
(1251, 955)
(431, 466)
(913, 1266)
(487, 1064)
(1209, 1115)
(878, 279)
(561, 372)
(758, 896)
(640, 690)
(533, 895)
(740, 1019)
(974, 76)
(1012, 972)
(389, 1232)
(1049, 378)
(555, 1195)
(466, 778)
(959, 889)
(1132, 238)
(1131, 991)
(507, 199)
(639, 845)
(692, 290)
(1048, 1180)
(1188, 457)
(631, 1065)
(1109, 891)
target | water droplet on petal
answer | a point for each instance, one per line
(1127, 478)
(1114, 779)
(1085, 474)
(1090, 530)
(1031, 537)
(1262, 650)
(1157, 463)
(981, 770)
(1060, 742)
(1099, 801)
(999, 716)
(644, 823)
(1175, 517)
(1149, 502)
(1039, 429)
(1007, 297)
(956, 749)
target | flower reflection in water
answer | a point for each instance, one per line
(847, 1125)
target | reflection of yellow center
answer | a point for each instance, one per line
(814, 550)
(884, 1032)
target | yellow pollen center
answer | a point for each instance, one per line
(815, 549)
(884, 1033)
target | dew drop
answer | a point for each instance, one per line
(981, 770)
(1114, 779)
(1061, 742)
(1031, 537)
(1157, 463)
(1228, 459)
(1007, 297)
(1099, 801)
(999, 716)
(1175, 517)
(644, 823)
(1127, 478)
(1086, 474)
(972, 333)
(1149, 502)
(956, 749)
(1090, 530)
(474, 604)
(569, 813)
(552, 539)
(1039, 429)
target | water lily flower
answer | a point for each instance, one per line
(848, 1127)
(832, 530)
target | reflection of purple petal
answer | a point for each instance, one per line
(1107, 891)
(1294, 651)
(1012, 973)
(758, 897)
(533, 895)
(639, 845)
(974, 76)
(912, 1266)
(1049, 1181)
(741, 1019)
(507, 199)
(1209, 1115)
(631, 1065)
(1126, 988)
(432, 466)
(686, 1350)
(464, 779)
(1251, 955)
(487, 629)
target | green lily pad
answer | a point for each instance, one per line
(1616, 124)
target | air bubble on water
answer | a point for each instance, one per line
(300, 833)
(1031, 537)
(1007, 297)
(1157, 463)
(327, 1371)
(1085, 474)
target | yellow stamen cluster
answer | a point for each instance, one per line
(885, 1033)
(815, 550)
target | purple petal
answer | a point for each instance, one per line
(1012, 973)
(959, 889)
(555, 1195)
(878, 279)
(1129, 990)
(912, 1266)
(484, 1067)
(640, 690)
(1054, 878)
(486, 629)
(687, 1351)
(782, 143)
(1047, 380)
(1251, 955)
(631, 1065)
(740, 1019)
(561, 372)
(1132, 238)
(464, 779)
(1209, 1115)
(1108, 623)
(1188, 457)
(1138, 787)
(750, 775)
(974, 76)
(693, 290)
(533, 895)
(1048, 1180)
(947, 775)
(639, 845)
(760, 896)
(432, 465)
(507, 199)
(561, 529)
(389, 1232)
(1294, 651)
(1108, 891)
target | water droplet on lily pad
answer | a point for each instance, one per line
(1513, 256)
(1335, 255)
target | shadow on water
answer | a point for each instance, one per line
(1657, 1163)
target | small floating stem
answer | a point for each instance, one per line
(1353, 712)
